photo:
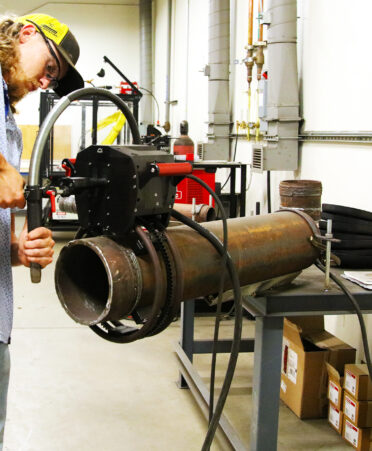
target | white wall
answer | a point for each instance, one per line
(337, 96)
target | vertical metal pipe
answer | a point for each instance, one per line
(187, 63)
(219, 120)
(282, 112)
(168, 73)
(250, 22)
(146, 105)
(328, 254)
(260, 11)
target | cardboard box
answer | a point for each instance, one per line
(359, 438)
(335, 383)
(357, 382)
(359, 412)
(306, 348)
(335, 418)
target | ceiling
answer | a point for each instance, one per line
(28, 6)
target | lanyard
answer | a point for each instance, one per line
(6, 99)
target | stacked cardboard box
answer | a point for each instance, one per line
(357, 407)
(335, 396)
(306, 349)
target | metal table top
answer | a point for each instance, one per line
(306, 296)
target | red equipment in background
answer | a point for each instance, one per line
(187, 190)
(126, 88)
(183, 148)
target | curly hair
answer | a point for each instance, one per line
(9, 56)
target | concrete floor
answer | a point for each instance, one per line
(71, 390)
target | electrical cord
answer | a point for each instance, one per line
(214, 417)
(250, 178)
(358, 311)
(237, 326)
(220, 293)
(157, 104)
(228, 178)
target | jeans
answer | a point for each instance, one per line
(4, 382)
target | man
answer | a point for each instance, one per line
(36, 51)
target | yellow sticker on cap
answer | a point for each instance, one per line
(51, 27)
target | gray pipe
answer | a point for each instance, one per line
(58, 109)
(168, 73)
(37, 152)
(219, 118)
(282, 113)
(145, 107)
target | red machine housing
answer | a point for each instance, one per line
(189, 189)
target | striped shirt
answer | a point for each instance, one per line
(11, 148)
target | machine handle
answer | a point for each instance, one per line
(52, 196)
(167, 169)
(34, 220)
(68, 166)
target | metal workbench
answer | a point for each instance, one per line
(305, 296)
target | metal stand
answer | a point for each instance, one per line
(304, 297)
(232, 196)
(189, 378)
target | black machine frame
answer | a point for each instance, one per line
(47, 102)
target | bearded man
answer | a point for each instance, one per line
(36, 51)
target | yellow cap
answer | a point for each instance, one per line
(66, 43)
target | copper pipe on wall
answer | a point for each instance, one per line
(250, 23)
(260, 12)
(249, 61)
(202, 213)
(99, 279)
(259, 56)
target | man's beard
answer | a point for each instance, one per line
(19, 85)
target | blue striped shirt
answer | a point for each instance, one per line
(11, 148)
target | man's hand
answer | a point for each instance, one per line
(35, 246)
(11, 186)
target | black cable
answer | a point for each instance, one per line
(220, 293)
(268, 192)
(218, 202)
(214, 417)
(358, 311)
(228, 178)
(157, 104)
(237, 326)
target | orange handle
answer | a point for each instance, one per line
(174, 168)
(52, 196)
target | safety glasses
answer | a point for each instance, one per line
(53, 80)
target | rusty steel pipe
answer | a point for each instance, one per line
(203, 212)
(97, 279)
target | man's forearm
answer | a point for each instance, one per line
(11, 186)
(3, 162)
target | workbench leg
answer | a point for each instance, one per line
(266, 383)
(187, 334)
